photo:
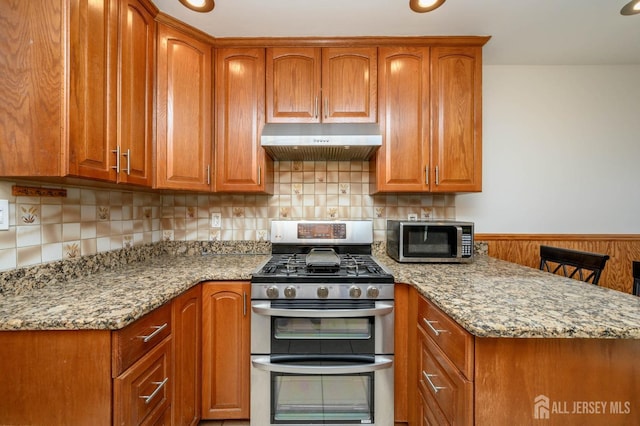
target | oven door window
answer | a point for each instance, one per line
(318, 335)
(322, 399)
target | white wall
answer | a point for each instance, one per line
(561, 148)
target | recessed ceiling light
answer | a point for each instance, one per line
(422, 6)
(199, 5)
(631, 8)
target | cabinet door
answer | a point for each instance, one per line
(349, 85)
(241, 163)
(186, 351)
(293, 85)
(92, 88)
(184, 117)
(32, 99)
(226, 350)
(456, 102)
(135, 100)
(401, 164)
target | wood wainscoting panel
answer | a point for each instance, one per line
(524, 249)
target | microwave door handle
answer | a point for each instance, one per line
(459, 241)
(264, 308)
(264, 363)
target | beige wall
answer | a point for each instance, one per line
(91, 220)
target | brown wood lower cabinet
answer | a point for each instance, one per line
(225, 350)
(457, 378)
(138, 375)
(187, 355)
(142, 394)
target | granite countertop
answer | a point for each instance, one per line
(494, 298)
(489, 297)
(112, 299)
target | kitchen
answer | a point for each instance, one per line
(95, 219)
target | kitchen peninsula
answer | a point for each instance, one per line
(530, 333)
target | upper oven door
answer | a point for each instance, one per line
(329, 328)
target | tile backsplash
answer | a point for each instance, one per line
(91, 220)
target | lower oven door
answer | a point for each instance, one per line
(315, 391)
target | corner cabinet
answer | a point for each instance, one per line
(313, 85)
(430, 116)
(226, 350)
(184, 111)
(241, 163)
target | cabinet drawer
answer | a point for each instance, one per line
(142, 394)
(430, 414)
(455, 341)
(133, 341)
(442, 382)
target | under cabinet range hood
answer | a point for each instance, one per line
(317, 142)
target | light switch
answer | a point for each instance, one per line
(216, 219)
(4, 215)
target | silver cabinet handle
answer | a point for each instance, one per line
(208, 174)
(326, 107)
(426, 175)
(315, 108)
(437, 176)
(264, 308)
(435, 388)
(259, 175)
(435, 330)
(264, 363)
(244, 303)
(128, 155)
(160, 385)
(117, 153)
(158, 329)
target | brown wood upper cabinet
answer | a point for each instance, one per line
(184, 111)
(95, 124)
(241, 163)
(313, 85)
(430, 108)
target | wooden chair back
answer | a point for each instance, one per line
(580, 265)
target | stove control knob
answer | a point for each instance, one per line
(373, 292)
(290, 292)
(355, 292)
(323, 292)
(272, 292)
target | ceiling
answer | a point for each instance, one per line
(524, 32)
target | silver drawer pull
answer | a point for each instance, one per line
(148, 398)
(435, 388)
(435, 330)
(158, 329)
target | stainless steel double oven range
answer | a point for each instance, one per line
(322, 317)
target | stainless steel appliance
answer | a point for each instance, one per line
(322, 317)
(325, 141)
(445, 241)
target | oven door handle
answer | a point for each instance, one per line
(264, 308)
(264, 363)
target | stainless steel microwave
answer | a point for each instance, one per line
(432, 241)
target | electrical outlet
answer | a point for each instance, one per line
(412, 216)
(216, 219)
(4, 215)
